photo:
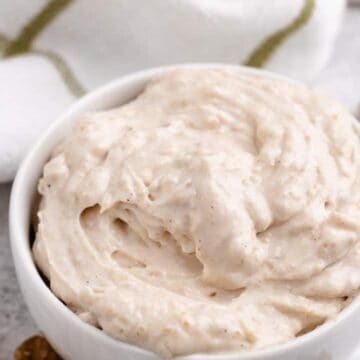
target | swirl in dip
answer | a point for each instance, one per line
(216, 212)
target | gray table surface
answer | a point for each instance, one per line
(341, 78)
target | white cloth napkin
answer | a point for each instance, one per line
(55, 51)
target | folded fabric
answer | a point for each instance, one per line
(54, 52)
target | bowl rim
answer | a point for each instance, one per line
(19, 231)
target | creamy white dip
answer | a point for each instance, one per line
(216, 212)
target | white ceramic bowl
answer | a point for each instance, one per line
(76, 340)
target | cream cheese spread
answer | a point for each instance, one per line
(216, 212)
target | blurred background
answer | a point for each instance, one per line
(53, 52)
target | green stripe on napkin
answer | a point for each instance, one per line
(3, 42)
(263, 52)
(23, 43)
(64, 70)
